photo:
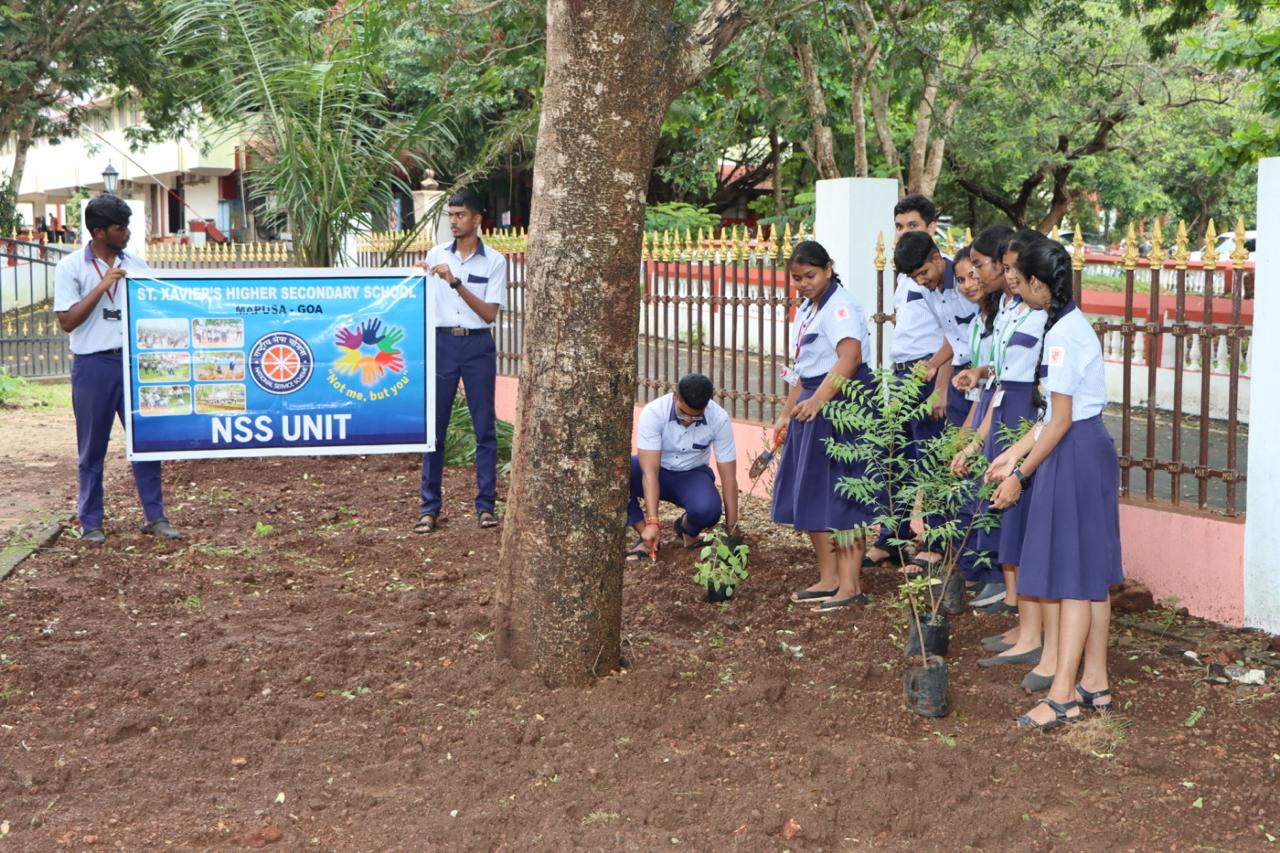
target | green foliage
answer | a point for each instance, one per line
(722, 561)
(460, 438)
(308, 87)
(11, 387)
(678, 216)
(261, 528)
(10, 219)
(799, 212)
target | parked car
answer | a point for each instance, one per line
(1093, 242)
(1226, 244)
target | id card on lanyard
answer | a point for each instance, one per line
(111, 313)
(789, 374)
(1000, 349)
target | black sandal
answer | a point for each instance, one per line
(1089, 698)
(426, 523)
(637, 552)
(1059, 720)
(678, 527)
(487, 518)
(890, 558)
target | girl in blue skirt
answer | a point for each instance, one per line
(1013, 405)
(1071, 551)
(829, 339)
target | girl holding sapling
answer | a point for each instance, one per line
(1071, 552)
(830, 338)
(1013, 406)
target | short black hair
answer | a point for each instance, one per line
(913, 250)
(469, 199)
(104, 211)
(695, 390)
(921, 204)
(962, 254)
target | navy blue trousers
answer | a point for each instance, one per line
(97, 398)
(693, 491)
(473, 359)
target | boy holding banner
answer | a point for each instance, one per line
(87, 300)
(469, 281)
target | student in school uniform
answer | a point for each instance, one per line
(831, 341)
(1014, 407)
(987, 285)
(470, 288)
(675, 436)
(87, 298)
(1071, 550)
(918, 344)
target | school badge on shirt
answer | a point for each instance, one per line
(1057, 356)
(842, 313)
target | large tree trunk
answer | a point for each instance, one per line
(924, 121)
(824, 140)
(884, 133)
(613, 68)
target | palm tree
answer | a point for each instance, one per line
(305, 88)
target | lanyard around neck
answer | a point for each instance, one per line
(111, 291)
(1001, 347)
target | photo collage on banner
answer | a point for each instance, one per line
(278, 362)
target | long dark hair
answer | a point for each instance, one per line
(1048, 261)
(991, 242)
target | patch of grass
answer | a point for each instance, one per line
(599, 817)
(209, 550)
(1100, 736)
(191, 602)
(262, 528)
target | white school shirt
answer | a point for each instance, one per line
(1073, 361)
(73, 279)
(484, 273)
(917, 327)
(819, 327)
(1015, 343)
(955, 313)
(685, 447)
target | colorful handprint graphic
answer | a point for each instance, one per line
(369, 349)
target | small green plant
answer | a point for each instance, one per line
(1194, 717)
(913, 593)
(262, 528)
(191, 602)
(600, 818)
(460, 438)
(722, 562)
(10, 386)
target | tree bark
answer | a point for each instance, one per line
(884, 134)
(613, 69)
(824, 140)
(924, 121)
(775, 157)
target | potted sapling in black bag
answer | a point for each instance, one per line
(721, 565)
(924, 687)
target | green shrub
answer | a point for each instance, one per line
(460, 440)
(677, 215)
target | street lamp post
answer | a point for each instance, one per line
(110, 178)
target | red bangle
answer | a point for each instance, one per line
(652, 521)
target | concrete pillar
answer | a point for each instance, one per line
(428, 203)
(849, 215)
(1262, 518)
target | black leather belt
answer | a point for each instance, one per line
(906, 365)
(460, 331)
(116, 351)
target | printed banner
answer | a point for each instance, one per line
(278, 362)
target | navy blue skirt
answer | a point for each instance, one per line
(1072, 544)
(1005, 541)
(957, 404)
(804, 487)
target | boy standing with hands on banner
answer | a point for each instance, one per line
(469, 284)
(88, 295)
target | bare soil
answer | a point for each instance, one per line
(329, 682)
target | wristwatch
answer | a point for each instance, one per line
(456, 283)
(1022, 478)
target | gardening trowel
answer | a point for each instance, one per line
(762, 462)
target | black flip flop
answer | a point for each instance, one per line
(800, 596)
(426, 523)
(487, 518)
(832, 604)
